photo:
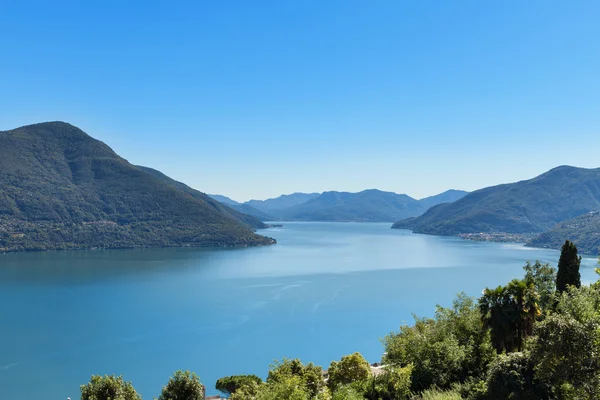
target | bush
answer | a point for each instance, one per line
(183, 385)
(393, 384)
(108, 387)
(511, 377)
(436, 394)
(230, 384)
(310, 375)
(351, 368)
(444, 350)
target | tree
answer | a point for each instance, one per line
(290, 387)
(183, 385)
(310, 375)
(351, 368)
(393, 384)
(567, 346)
(229, 384)
(347, 393)
(511, 376)
(565, 354)
(509, 313)
(543, 279)
(108, 387)
(449, 348)
(568, 268)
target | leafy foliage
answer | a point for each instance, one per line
(511, 377)
(183, 385)
(393, 384)
(310, 375)
(347, 393)
(543, 279)
(289, 387)
(351, 368)
(567, 346)
(436, 394)
(447, 349)
(228, 385)
(109, 387)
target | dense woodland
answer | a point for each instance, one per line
(534, 338)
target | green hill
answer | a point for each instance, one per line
(584, 231)
(62, 189)
(224, 209)
(530, 206)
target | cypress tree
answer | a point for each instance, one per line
(568, 268)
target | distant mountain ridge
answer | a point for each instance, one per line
(243, 208)
(62, 189)
(448, 196)
(530, 206)
(275, 205)
(370, 205)
(224, 199)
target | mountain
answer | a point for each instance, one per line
(448, 196)
(222, 208)
(248, 209)
(274, 206)
(530, 206)
(366, 206)
(224, 199)
(62, 189)
(243, 208)
(583, 230)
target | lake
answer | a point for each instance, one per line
(325, 290)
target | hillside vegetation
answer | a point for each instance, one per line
(530, 206)
(584, 231)
(62, 189)
(229, 211)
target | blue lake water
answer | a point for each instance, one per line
(325, 290)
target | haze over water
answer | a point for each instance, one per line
(325, 290)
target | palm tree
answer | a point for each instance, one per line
(509, 313)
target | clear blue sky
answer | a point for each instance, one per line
(252, 99)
